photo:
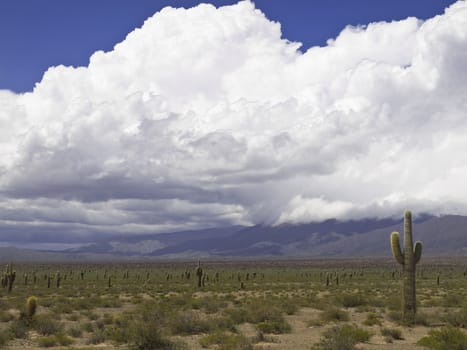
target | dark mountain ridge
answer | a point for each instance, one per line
(441, 236)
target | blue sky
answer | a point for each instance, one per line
(37, 34)
(212, 116)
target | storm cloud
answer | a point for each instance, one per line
(207, 117)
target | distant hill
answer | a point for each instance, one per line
(445, 235)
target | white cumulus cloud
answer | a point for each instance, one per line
(208, 117)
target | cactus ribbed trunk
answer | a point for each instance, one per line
(199, 274)
(31, 306)
(10, 276)
(408, 259)
(408, 268)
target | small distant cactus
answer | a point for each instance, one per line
(408, 259)
(58, 278)
(9, 277)
(199, 274)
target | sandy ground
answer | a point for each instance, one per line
(304, 336)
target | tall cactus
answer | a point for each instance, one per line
(408, 259)
(10, 276)
(58, 278)
(199, 274)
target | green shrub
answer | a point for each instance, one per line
(395, 316)
(334, 314)
(226, 341)
(107, 319)
(262, 312)
(47, 325)
(188, 322)
(391, 334)
(97, 337)
(47, 341)
(100, 325)
(63, 339)
(237, 315)
(422, 319)
(210, 305)
(457, 318)
(372, 319)
(119, 331)
(352, 300)
(276, 326)
(343, 337)
(73, 317)
(453, 300)
(93, 316)
(447, 338)
(148, 336)
(87, 327)
(75, 332)
(4, 337)
(19, 329)
(289, 307)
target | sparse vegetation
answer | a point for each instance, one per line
(226, 341)
(448, 338)
(391, 334)
(283, 305)
(343, 337)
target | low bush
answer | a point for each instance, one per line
(226, 341)
(19, 329)
(47, 341)
(87, 327)
(148, 336)
(63, 339)
(423, 319)
(210, 305)
(188, 322)
(447, 338)
(457, 318)
(372, 319)
(5, 336)
(75, 332)
(343, 337)
(47, 325)
(352, 300)
(391, 334)
(97, 337)
(267, 318)
(276, 326)
(453, 300)
(334, 314)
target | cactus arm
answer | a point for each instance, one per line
(417, 251)
(396, 248)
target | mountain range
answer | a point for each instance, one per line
(441, 236)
